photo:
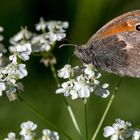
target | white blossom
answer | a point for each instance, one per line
(82, 82)
(11, 136)
(119, 130)
(82, 87)
(13, 58)
(89, 70)
(23, 35)
(52, 31)
(28, 132)
(65, 72)
(57, 25)
(15, 71)
(41, 25)
(102, 91)
(21, 50)
(40, 44)
(66, 88)
(27, 129)
(49, 135)
(136, 135)
(55, 36)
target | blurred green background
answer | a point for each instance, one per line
(85, 18)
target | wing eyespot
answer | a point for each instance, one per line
(138, 27)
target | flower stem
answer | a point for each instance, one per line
(55, 75)
(41, 116)
(106, 110)
(85, 111)
(67, 104)
(73, 118)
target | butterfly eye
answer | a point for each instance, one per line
(138, 27)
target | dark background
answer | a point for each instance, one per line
(85, 18)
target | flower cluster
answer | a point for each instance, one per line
(25, 42)
(10, 73)
(52, 31)
(22, 45)
(121, 130)
(28, 133)
(81, 82)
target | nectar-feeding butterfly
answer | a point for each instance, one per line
(116, 46)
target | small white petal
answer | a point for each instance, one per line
(108, 131)
(115, 137)
(105, 85)
(74, 94)
(60, 90)
(11, 136)
(65, 72)
(136, 135)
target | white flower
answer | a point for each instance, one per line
(82, 87)
(22, 50)
(74, 94)
(13, 58)
(2, 87)
(11, 136)
(27, 129)
(136, 135)
(41, 25)
(65, 72)
(28, 133)
(55, 36)
(57, 25)
(49, 135)
(21, 71)
(40, 43)
(66, 88)
(56, 30)
(102, 91)
(24, 34)
(15, 71)
(82, 81)
(119, 130)
(89, 71)
(78, 88)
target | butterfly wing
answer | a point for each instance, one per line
(116, 46)
(118, 54)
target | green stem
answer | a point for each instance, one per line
(106, 110)
(73, 118)
(85, 111)
(41, 116)
(55, 75)
(66, 102)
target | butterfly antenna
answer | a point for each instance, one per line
(69, 41)
(67, 45)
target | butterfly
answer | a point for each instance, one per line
(115, 47)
